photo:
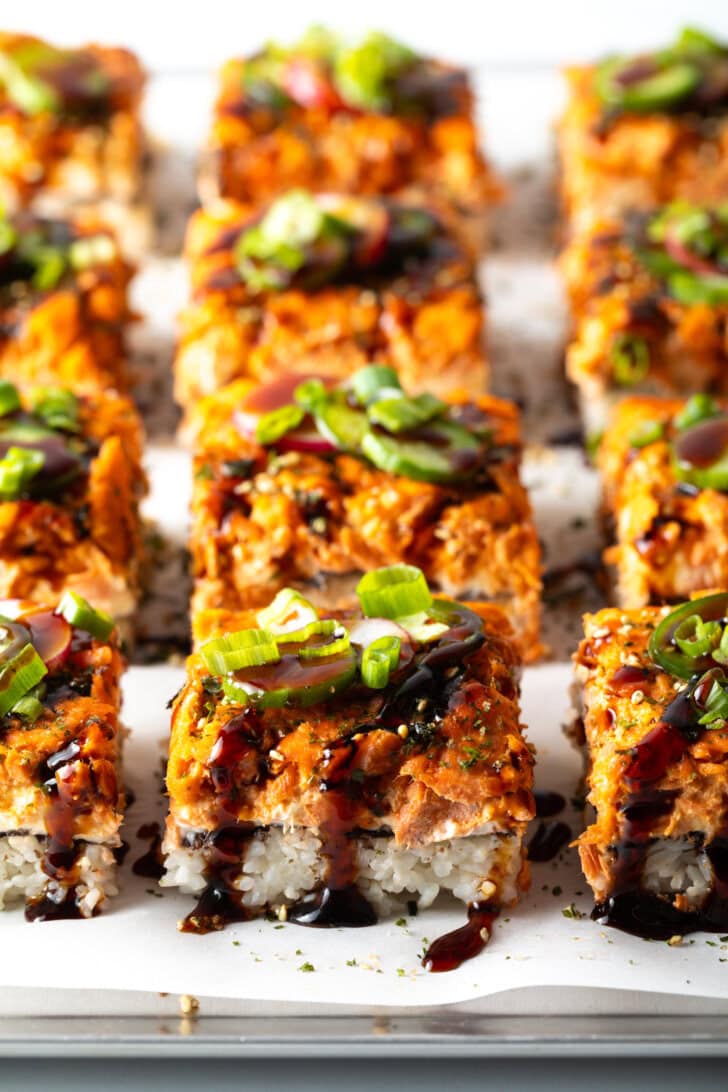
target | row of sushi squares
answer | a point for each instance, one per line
(366, 566)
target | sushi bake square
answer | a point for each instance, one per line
(665, 497)
(366, 118)
(63, 303)
(360, 765)
(643, 130)
(70, 486)
(653, 696)
(311, 485)
(650, 299)
(61, 792)
(326, 284)
(70, 131)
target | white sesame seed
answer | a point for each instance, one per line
(675, 941)
(638, 696)
(282, 914)
(188, 1004)
(276, 755)
(403, 731)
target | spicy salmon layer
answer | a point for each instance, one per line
(61, 794)
(372, 756)
(650, 301)
(641, 131)
(364, 476)
(70, 131)
(654, 697)
(63, 304)
(665, 489)
(368, 120)
(70, 486)
(326, 284)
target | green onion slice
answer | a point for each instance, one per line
(421, 628)
(18, 676)
(325, 627)
(699, 407)
(58, 407)
(340, 425)
(379, 659)
(646, 433)
(368, 382)
(9, 398)
(29, 708)
(288, 611)
(272, 426)
(401, 413)
(234, 651)
(78, 612)
(716, 703)
(310, 393)
(18, 467)
(630, 359)
(393, 592)
(694, 288)
(664, 648)
(695, 637)
(335, 647)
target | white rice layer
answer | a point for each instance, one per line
(22, 875)
(676, 866)
(282, 865)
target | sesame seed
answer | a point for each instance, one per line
(484, 935)
(273, 753)
(487, 889)
(638, 696)
(282, 914)
(188, 1004)
(403, 731)
(675, 941)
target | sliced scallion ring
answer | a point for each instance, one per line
(288, 611)
(663, 647)
(234, 651)
(79, 613)
(57, 407)
(18, 467)
(402, 414)
(18, 676)
(646, 433)
(28, 708)
(336, 647)
(716, 703)
(630, 359)
(324, 627)
(340, 425)
(367, 383)
(310, 393)
(393, 592)
(695, 637)
(379, 660)
(699, 407)
(421, 628)
(272, 426)
(9, 398)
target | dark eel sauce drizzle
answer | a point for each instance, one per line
(628, 906)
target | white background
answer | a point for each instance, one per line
(187, 34)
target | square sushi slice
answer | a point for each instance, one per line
(70, 486)
(664, 473)
(61, 793)
(644, 130)
(653, 692)
(333, 765)
(63, 303)
(327, 283)
(71, 137)
(311, 484)
(369, 118)
(650, 300)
